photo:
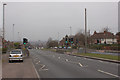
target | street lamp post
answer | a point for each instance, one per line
(85, 30)
(3, 24)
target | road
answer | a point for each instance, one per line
(55, 65)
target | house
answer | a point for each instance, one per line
(118, 37)
(103, 38)
(0, 41)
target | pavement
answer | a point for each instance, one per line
(14, 70)
(0, 64)
(50, 64)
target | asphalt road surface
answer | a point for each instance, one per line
(55, 65)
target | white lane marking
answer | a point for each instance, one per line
(108, 73)
(36, 71)
(66, 60)
(38, 62)
(80, 64)
(42, 68)
(58, 57)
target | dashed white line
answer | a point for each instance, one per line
(58, 57)
(66, 60)
(38, 62)
(108, 73)
(80, 64)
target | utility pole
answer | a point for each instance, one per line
(13, 32)
(3, 24)
(19, 37)
(70, 35)
(85, 30)
(70, 30)
(58, 38)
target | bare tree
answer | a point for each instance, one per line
(51, 43)
(107, 29)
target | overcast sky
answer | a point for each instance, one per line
(39, 21)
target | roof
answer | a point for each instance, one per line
(103, 35)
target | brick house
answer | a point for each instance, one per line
(103, 38)
(118, 37)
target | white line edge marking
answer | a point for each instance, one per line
(36, 71)
(80, 64)
(108, 73)
(100, 61)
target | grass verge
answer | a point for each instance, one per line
(112, 57)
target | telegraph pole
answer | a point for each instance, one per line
(19, 39)
(70, 30)
(85, 30)
(58, 38)
(13, 32)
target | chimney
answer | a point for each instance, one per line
(95, 32)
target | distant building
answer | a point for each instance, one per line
(103, 38)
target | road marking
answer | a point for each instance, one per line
(108, 73)
(42, 68)
(80, 64)
(38, 62)
(66, 60)
(58, 57)
(36, 71)
(100, 61)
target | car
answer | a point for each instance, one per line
(16, 55)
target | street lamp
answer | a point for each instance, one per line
(85, 30)
(4, 23)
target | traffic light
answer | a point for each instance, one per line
(71, 40)
(66, 40)
(76, 41)
(25, 40)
